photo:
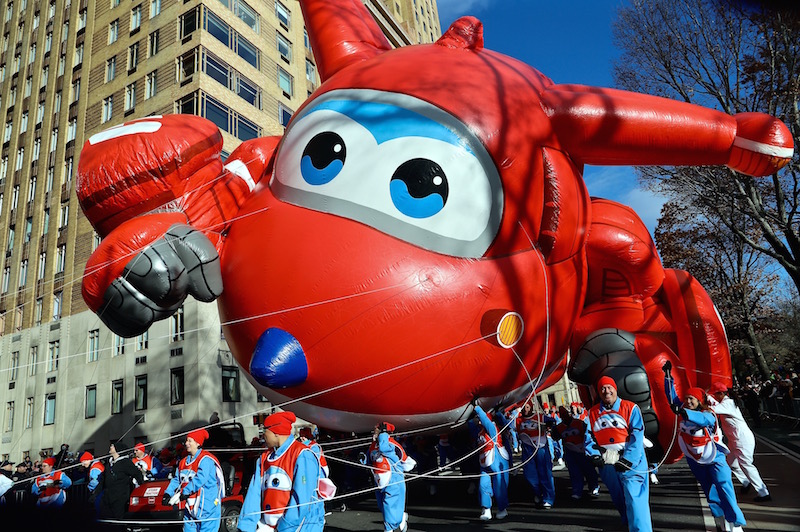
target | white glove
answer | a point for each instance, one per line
(611, 456)
(175, 499)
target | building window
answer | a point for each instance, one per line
(116, 397)
(42, 265)
(142, 341)
(6, 278)
(230, 384)
(306, 40)
(76, 90)
(9, 424)
(29, 412)
(285, 82)
(285, 114)
(133, 56)
(28, 227)
(38, 311)
(151, 84)
(284, 47)
(94, 345)
(311, 72)
(78, 55)
(23, 273)
(49, 409)
(130, 97)
(176, 386)
(152, 44)
(72, 129)
(111, 68)
(189, 22)
(176, 325)
(23, 123)
(119, 345)
(141, 392)
(34, 360)
(91, 402)
(155, 8)
(136, 17)
(52, 355)
(14, 366)
(63, 216)
(61, 258)
(57, 306)
(108, 109)
(113, 31)
(283, 14)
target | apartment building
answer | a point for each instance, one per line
(69, 69)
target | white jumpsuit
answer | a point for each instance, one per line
(741, 442)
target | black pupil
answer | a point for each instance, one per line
(423, 177)
(325, 148)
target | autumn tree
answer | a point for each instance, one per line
(735, 57)
(739, 279)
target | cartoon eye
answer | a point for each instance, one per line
(323, 158)
(395, 163)
(277, 479)
(419, 188)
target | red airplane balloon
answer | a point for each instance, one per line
(421, 236)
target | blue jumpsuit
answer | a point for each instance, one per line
(629, 489)
(536, 456)
(572, 433)
(305, 510)
(712, 470)
(209, 482)
(494, 476)
(391, 498)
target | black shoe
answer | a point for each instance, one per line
(744, 490)
(763, 498)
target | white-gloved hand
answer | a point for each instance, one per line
(611, 456)
(175, 499)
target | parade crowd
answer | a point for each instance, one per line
(290, 479)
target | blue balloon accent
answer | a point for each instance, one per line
(278, 360)
(388, 122)
(411, 206)
(319, 176)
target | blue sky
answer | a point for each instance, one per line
(570, 42)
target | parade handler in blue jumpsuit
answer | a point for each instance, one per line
(617, 427)
(701, 443)
(50, 485)
(536, 457)
(389, 462)
(572, 433)
(494, 468)
(284, 491)
(198, 485)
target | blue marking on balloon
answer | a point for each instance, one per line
(319, 176)
(278, 360)
(411, 206)
(387, 122)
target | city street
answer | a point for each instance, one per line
(676, 502)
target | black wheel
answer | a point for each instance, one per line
(230, 517)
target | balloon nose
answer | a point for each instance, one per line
(278, 360)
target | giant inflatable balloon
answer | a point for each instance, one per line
(421, 237)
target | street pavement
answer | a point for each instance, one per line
(676, 503)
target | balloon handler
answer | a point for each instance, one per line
(700, 439)
(494, 467)
(538, 462)
(288, 487)
(198, 487)
(617, 427)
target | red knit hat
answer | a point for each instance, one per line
(606, 380)
(280, 423)
(697, 393)
(140, 446)
(718, 387)
(86, 456)
(49, 461)
(198, 435)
